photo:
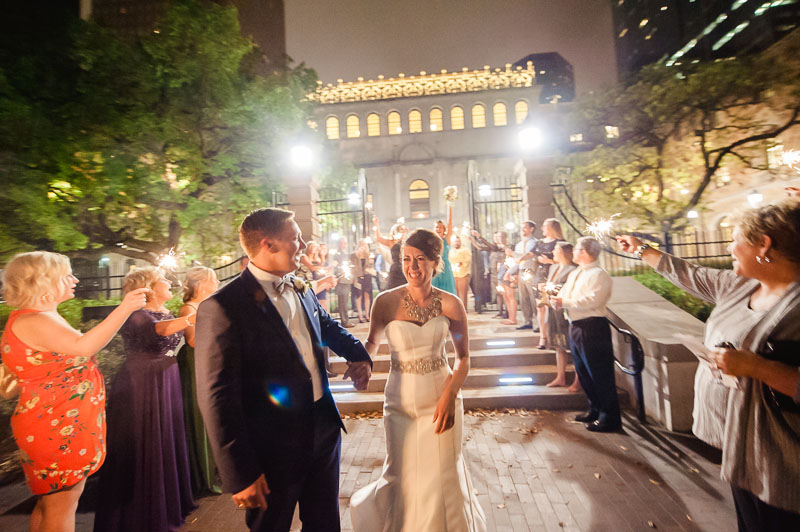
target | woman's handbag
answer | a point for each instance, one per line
(9, 385)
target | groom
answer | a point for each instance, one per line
(262, 385)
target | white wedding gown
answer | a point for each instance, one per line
(425, 485)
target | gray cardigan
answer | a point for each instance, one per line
(760, 442)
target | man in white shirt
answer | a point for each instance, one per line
(584, 297)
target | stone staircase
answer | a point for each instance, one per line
(506, 371)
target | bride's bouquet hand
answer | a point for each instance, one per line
(445, 415)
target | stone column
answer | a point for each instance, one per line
(302, 193)
(537, 195)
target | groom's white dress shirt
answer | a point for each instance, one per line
(586, 292)
(291, 311)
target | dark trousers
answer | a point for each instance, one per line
(754, 515)
(593, 356)
(343, 302)
(316, 488)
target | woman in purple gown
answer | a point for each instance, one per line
(144, 484)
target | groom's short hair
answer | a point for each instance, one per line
(260, 224)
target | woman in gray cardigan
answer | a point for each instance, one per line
(757, 318)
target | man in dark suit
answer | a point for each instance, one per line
(262, 385)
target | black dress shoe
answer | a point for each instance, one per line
(525, 326)
(603, 426)
(587, 417)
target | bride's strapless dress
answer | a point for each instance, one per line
(425, 485)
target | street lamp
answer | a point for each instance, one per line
(353, 197)
(692, 214)
(301, 157)
(485, 190)
(530, 138)
(754, 198)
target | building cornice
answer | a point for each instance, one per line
(425, 84)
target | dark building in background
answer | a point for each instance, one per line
(554, 74)
(262, 20)
(676, 31)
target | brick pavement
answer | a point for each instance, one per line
(533, 471)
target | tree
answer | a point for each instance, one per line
(679, 125)
(155, 143)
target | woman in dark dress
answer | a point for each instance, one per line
(144, 484)
(200, 283)
(551, 228)
(398, 231)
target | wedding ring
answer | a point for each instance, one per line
(240, 505)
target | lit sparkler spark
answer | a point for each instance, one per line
(168, 261)
(510, 262)
(550, 287)
(347, 269)
(384, 274)
(466, 229)
(602, 227)
(526, 276)
(791, 159)
(500, 289)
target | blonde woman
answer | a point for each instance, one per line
(551, 229)
(59, 422)
(200, 282)
(145, 484)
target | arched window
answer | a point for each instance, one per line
(478, 115)
(436, 123)
(393, 120)
(520, 111)
(456, 118)
(419, 196)
(373, 125)
(353, 127)
(414, 121)
(332, 127)
(500, 116)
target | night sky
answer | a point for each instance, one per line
(350, 38)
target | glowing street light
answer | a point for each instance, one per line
(353, 198)
(510, 226)
(485, 190)
(530, 138)
(301, 157)
(754, 198)
(692, 214)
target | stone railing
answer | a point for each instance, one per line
(669, 368)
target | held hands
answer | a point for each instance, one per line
(445, 414)
(735, 362)
(359, 373)
(628, 243)
(254, 495)
(556, 302)
(135, 299)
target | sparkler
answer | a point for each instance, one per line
(347, 269)
(465, 229)
(550, 287)
(791, 159)
(526, 276)
(601, 227)
(510, 262)
(168, 261)
(500, 289)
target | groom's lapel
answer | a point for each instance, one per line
(271, 314)
(312, 313)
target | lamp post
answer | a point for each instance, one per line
(302, 189)
(754, 198)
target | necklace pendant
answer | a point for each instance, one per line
(420, 314)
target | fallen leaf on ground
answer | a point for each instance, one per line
(651, 524)
(657, 483)
(597, 475)
(556, 470)
(689, 517)
(694, 470)
(623, 447)
(501, 506)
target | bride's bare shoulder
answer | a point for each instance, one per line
(451, 305)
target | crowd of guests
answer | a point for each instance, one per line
(155, 452)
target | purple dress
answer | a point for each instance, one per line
(144, 484)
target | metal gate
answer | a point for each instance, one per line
(496, 205)
(341, 217)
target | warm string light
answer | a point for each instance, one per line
(602, 227)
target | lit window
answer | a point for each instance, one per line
(478, 115)
(499, 114)
(456, 118)
(576, 137)
(414, 121)
(520, 111)
(373, 125)
(612, 132)
(775, 156)
(419, 196)
(436, 121)
(353, 127)
(332, 127)
(393, 120)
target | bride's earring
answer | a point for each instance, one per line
(758, 259)
(47, 297)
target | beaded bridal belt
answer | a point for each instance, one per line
(420, 366)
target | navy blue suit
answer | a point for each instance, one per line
(257, 401)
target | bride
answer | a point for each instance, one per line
(425, 484)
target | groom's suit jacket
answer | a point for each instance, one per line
(253, 388)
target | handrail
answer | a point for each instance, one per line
(634, 369)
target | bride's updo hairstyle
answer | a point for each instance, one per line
(429, 243)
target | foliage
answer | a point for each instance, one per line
(678, 126)
(139, 146)
(693, 305)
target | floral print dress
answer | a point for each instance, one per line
(59, 423)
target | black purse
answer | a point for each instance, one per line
(786, 352)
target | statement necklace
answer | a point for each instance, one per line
(419, 314)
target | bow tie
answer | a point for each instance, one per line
(283, 284)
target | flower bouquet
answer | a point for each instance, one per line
(450, 194)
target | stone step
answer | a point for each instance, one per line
(483, 358)
(477, 378)
(520, 396)
(481, 341)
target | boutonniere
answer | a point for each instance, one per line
(301, 285)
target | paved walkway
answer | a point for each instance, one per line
(532, 471)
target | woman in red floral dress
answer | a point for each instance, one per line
(59, 422)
